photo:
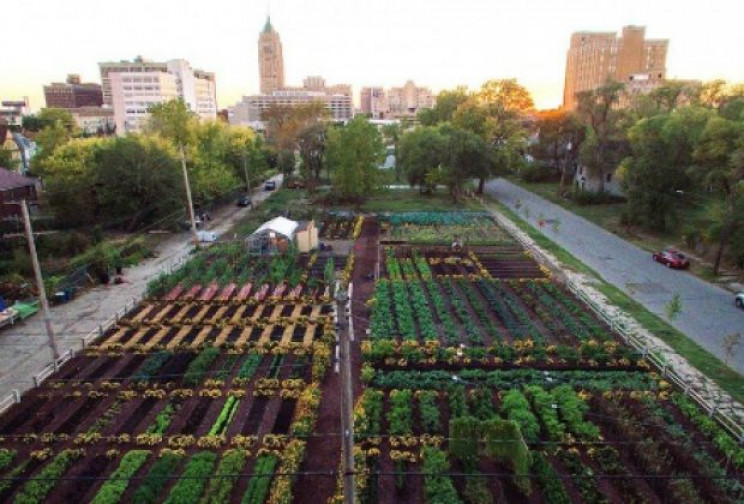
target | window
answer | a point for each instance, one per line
(609, 177)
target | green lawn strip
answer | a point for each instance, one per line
(708, 364)
(112, 490)
(193, 480)
(279, 202)
(220, 486)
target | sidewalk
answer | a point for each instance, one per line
(23, 347)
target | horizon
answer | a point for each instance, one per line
(397, 42)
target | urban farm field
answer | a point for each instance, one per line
(477, 378)
(484, 380)
(205, 381)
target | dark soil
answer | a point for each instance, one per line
(250, 426)
(131, 423)
(74, 490)
(284, 417)
(20, 413)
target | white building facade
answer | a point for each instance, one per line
(131, 88)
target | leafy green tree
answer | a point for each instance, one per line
(606, 143)
(69, 181)
(560, 136)
(6, 160)
(312, 147)
(173, 121)
(659, 165)
(448, 102)
(353, 154)
(135, 181)
(720, 153)
(421, 151)
(466, 155)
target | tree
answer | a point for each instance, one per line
(506, 95)
(312, 147)
(353, 154)
(605, 145)
(560, 134)
(720, 152)
(660, 164)
(134, 180)
(421, 151)
(173, 121)
(6, 159)
(69, 181)
(466, 155)
(447, 103)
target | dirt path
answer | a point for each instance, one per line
(23, 347)
(324, 451)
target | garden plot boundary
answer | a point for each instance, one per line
(619, 322)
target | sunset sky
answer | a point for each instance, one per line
(437, 43)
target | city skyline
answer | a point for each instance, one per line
(440, 44)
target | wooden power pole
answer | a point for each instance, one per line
(347, 396)
(39, 281)
(195, 235)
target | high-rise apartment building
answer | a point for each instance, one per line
(373, 102)
(270, 60)
(73, 94)
(596, 57)
(132, 87)
(397, 101)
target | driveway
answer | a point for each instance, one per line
(23, 347)
(708, 313)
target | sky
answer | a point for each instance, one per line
(436, 43)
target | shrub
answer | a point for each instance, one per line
(582, 197)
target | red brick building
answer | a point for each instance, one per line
(14, 188)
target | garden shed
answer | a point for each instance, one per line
(275, 235)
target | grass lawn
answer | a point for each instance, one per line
(710, 365)
(409, 200)
(292, 201)
(607, 216)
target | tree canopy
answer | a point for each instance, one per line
(353, 154)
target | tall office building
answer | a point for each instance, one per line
(73, 94)
(397, 102)
(596, 57)
(131, 87)
(270, 60)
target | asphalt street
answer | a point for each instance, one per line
(707, 311)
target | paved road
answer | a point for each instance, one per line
(23, 348)
(708, 313)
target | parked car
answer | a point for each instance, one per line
(739, 300)
(270, 185)
(245, 201)
(672, 259)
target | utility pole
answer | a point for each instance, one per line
(247, 177)
(347, 396)
(195, 235)
(39, 281)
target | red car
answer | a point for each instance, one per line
(672, 259)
